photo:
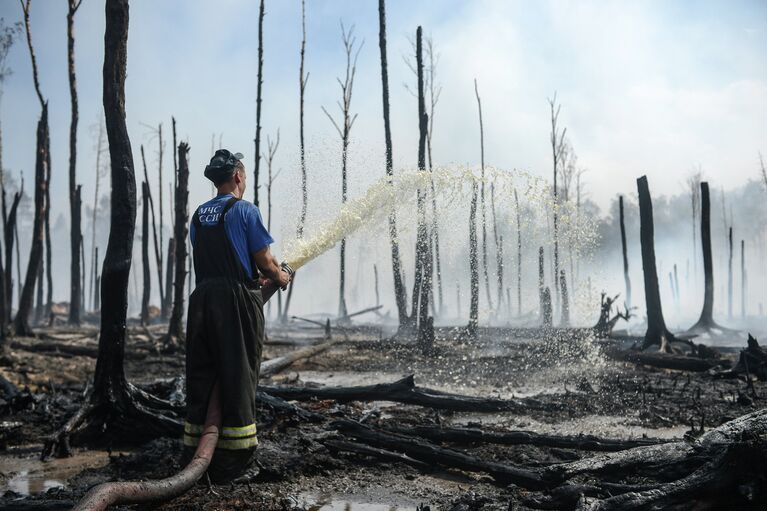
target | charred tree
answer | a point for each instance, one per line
(422, 283)
(540, 280)
(482, 196)
(21, 323)
(113, 405)
(625, 253)
(656, 333)
(565, 300)
(175, 328)
(743, 278)
(259, 86)
(548, 312)
(498, 238)
(434, 94)
(400, 294)
(157, 244)
(302, 79)
(9, 241)
(96, 299)
(558, 147)
(344, 131)
(729, 274)
(48, 252)
(147, 283)
(706, 321)
(94, 249)
(473, 266)
(519, 255)
(170, 259)
(75, 234)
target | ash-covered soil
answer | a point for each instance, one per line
(577, 390)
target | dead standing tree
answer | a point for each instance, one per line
(558, 148)
(473, 266)
(147, 282)
(259, 87)
(422, 281)
(271, 176)
(75, 202)
(302, 80)
(344, 131)
(175, 327)
(482, 196)
(42, 159)
(400, 294)
(625, 252)
(706, 321)
(100, 147)
(114, 406)
(519, 255)
(157, 245)
(656, 333)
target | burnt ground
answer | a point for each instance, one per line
(577, 390)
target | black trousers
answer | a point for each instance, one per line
(225, 335)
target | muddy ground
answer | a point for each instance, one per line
(580, 391)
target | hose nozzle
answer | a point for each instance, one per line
(287, 269)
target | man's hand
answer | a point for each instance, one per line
(282, 282)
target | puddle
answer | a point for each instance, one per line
(336, 502)
(25, 474)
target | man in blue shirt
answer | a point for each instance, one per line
(225, 322)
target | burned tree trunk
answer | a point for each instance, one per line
(259, 86)
(519, 255)
(9, 239)
(75, 234)
(482, 196)
(656, 333)
(347, 87)
(170, 259)
(706, 321)
(145, 253)
(729, 275)
(42, 159)
(400, 294)
(548, 312)
(175, 328)
(302, 78)
(473, 265)
(48, 254)
(625, 253)
(540, 280)
(743, 278)
(21, 323)
(498, 238)
(114, 405)
(157, 244)
(565, 299)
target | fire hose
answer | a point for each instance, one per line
(132, 492)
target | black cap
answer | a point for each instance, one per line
(221, 166)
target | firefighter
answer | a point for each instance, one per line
(225, 321)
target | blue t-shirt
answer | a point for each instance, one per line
(243, 224)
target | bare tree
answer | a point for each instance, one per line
(400, 294)
(100, 148)
(302, 80)
(259, 86)
(8, 35)
(352, 51)
(482, 196)
(706, 321)
(75, 236)
(519, 255)
(181, 223)
(693, 185)
(558, 142)
(473, 266)
(157, 245)
(625, 252)
(147, 282)
(498, 237)
(271, 176)
(656, 333)
(42, 159)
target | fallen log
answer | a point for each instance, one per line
(68, 349)
(274, 366)
(476, 435)
(366, 450)
(666, 360)
(430, 453)
(405, 391)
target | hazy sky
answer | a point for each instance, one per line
(646, 87)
